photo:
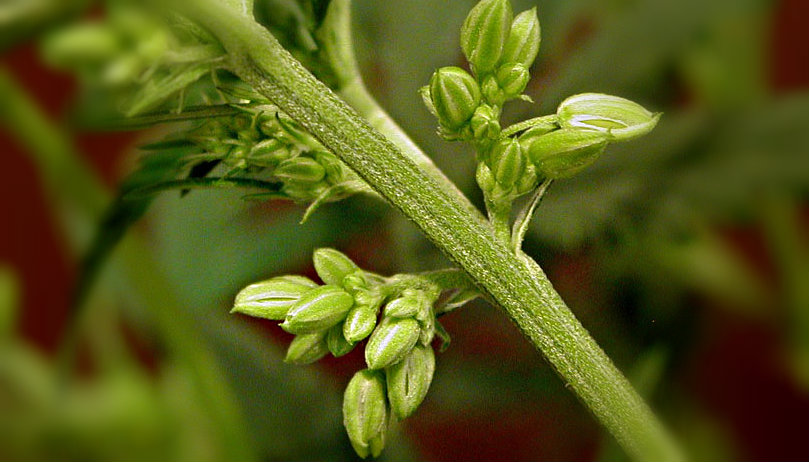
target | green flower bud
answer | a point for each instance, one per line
(565, 152)
(318, 310)
(528, 180)
(485, 179)
(621, 119)
(334, 168)
(512, 79)
(485, 124)
(272, 299)
(359, 323)
(535, 132)
(337, 343)
(268, 153)
(391, 341)
(523, 40)
(484, 32)
(403, 307)
(507, 163)
(300, 170)
(455, 96)
(492, 93)
(332, 266)
(365, 412)
(409, 379)
(307, 348)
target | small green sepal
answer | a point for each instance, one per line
(332, 265)
(565, 152)
(523, 40)
(273, 298)
(307, 348)
(455, 96)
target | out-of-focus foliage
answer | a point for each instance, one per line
(648, 221)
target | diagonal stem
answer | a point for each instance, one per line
(516, 283)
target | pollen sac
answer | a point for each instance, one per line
(484, 33)
(318, 310)
(366, 413)
(307, 348)
(391, 341)
(409, 380)
(333, 266)
(272, 299)
(565, 152)
(523, 40)
(620, 119)
(359, 323)
(455, 96)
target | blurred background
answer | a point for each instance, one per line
(685, 253)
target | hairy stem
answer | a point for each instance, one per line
(516, 284)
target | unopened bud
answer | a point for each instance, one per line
(391, 341)
(300, 170)
(508, 163)
(565, 152)
(307, 348)
(484, 32)
(619, 118)
(484, 123)
(318, 310)
(335, 340)
(359, 323)
(272, 299)
(523, 39)
(332, 265)
(365, 412)
(512, 78)
(403, 307)
(268, 153)
(409, 380)
(455, 96)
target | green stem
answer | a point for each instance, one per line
(524, 217)
(516, 284)
(351, 88)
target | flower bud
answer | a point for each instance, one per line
(523, 40)
(300, 170)
(272, 299)
(337, 343)
(535, 132)
(485, 179)
(565, 152)
(365, 412)
(409, 379)
(484, 32)
(455, 96)
(268, 153)
(332, 266)
(391, 341)
(619, 118)
(492, 93)
(332, 165)
(307, 348)
(507, 163)
(512, 79)
(484, 123)
(403, 307)
(318, 310)
(528, 180)
(359, 323)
